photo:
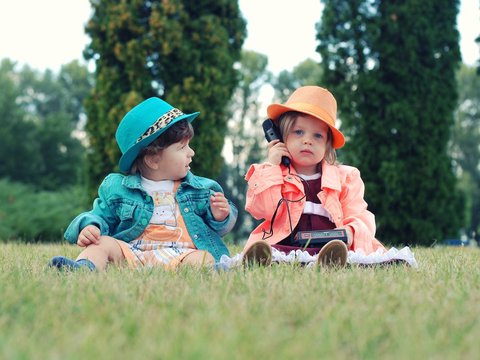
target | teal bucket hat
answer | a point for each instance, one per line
(143, 124)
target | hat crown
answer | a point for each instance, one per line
(138, 120)
(315, 101)
(143, 124)
(317, 98)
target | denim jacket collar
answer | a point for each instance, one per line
(135, 181)
(192, 180)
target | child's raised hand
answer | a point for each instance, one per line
(90, 234)
(219, 206)
(276, 150)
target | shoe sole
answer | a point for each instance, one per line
(260, 253)
(334, 253)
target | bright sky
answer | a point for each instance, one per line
(49, 33)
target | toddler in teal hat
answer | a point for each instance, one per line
(158, 213)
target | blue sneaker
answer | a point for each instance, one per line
(63, 263)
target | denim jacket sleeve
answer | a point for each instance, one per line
(220, 227)
(225, 226)
(100, 215)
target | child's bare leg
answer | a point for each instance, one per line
(198, 258)
(106, 251)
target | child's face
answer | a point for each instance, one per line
(174, 161)
(307, 143)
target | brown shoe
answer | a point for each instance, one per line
(259, 253)
(333, 253)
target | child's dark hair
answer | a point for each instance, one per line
(181, 131)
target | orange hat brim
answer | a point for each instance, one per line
(274, 111)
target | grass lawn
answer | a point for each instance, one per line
(282, 312)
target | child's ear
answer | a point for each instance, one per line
(152, 161)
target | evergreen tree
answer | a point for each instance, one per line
(15, 132)
(308, 72)
(465, 144)
(391, 66)
(477, 40)
(245, 129)
(180, 50)
(38, 114)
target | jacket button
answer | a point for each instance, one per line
(144, 221)
(195, 236)
(185, 210)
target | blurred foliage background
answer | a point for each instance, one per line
(408, 106)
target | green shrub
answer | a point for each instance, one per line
(37, 216)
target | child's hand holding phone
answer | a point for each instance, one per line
(277, 151)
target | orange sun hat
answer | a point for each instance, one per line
(315, 101)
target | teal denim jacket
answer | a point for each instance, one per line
(123, 210)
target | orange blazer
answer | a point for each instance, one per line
(341, 195)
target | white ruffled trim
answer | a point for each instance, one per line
(379, 257)
(226, 262)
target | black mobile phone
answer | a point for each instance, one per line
(273, 133)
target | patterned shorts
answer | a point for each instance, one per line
(149, 253)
